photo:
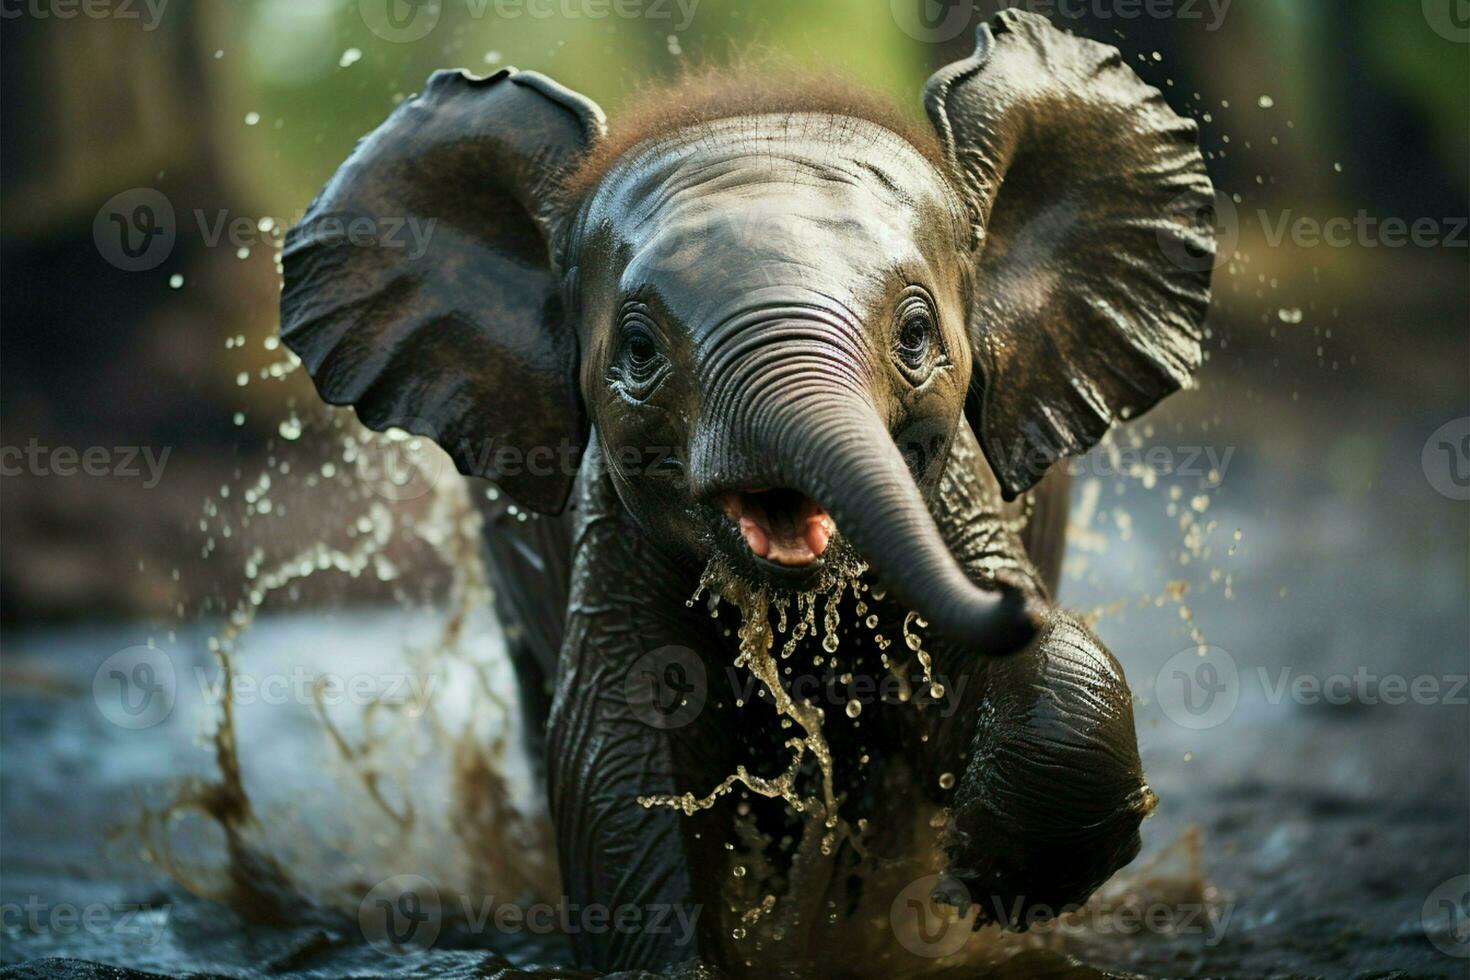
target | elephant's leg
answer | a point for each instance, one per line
(633, 718)
(606, 750)
(527, 565)
(1052, 791)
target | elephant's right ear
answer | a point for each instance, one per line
(422, 289)
(1095, 245)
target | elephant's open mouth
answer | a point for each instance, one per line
(781, 526)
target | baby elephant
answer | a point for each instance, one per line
(777, 340)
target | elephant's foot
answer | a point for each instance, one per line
(1053, 793)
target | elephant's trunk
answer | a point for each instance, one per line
(833, 446)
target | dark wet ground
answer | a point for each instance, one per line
(1332, 831)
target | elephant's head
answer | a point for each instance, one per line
(773, 306)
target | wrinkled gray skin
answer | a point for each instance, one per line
(801, 302)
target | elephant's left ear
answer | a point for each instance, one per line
(1094, 244)
(422, 286)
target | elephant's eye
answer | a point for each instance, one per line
(914, 341)
(638, 367)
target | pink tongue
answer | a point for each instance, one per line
(801, 547)
(758, 541)
(818, 531)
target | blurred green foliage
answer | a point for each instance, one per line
(320, 77)
(312, 107)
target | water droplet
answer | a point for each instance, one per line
(854, 708)
(946, 780)
(1265, 102)
(290, 429)
(349, 57)
(242, 379)
(1290, 315)
(175, 281)
(251, 118)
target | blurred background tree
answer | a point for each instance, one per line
(243, 109)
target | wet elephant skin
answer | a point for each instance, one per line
(786, 339)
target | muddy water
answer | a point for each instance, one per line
(265, 826)
(475, 835)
